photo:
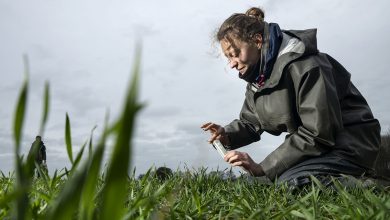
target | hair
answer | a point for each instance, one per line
(38, 137)
(242, 26)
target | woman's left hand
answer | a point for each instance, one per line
(242, 159)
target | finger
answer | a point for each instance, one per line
(230, 154)
(205, 125)
(214, 137)
(238, 164)
(234, 159)
(213, 130)
(210, 126)
(242, 164)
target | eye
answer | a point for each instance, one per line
(236, 52)
(232, 55)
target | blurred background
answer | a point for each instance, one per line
(85, 49)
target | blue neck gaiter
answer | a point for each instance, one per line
(260, 71)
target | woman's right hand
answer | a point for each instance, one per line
(217, 133)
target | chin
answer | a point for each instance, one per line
(242, 72)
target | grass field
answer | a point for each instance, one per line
(197, 195)
(92, 190)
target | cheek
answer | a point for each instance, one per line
(250, 57)
(245, 58)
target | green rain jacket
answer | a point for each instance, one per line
(309, 95)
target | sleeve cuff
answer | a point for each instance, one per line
(272, 167)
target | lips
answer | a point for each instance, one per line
(241, 71)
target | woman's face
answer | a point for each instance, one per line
(241, 55)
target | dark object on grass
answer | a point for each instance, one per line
(38, 151)
(163, 173)
(382, 165)
(141, 176)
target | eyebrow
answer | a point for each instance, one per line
(228, 48)
(233, 45)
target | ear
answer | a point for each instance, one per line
(258, 39)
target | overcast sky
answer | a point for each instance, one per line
(85, 49)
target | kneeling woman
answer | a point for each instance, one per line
(294, 88)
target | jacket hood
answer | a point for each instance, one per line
(306, 46)
(307, 37)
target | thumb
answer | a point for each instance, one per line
(213, 137)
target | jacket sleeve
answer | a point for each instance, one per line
(43, 151)
(245, 130)
(319, 111)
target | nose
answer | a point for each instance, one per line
(233, 64)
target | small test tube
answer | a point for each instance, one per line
(222, 151)
(220, 148)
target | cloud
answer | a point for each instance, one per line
(86, 53)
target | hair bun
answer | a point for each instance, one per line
(256, 13)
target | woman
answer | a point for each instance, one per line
(294, 88)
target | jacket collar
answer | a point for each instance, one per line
(296, 44)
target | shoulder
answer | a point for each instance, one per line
(306, 64)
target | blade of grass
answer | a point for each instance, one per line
(115, 189)
(87, 202)
(65, 205)
(21, 109)
(22, 182)
(78, 190)
(43, 175)
(68, 138)
(88, 194)
(54, 180)
(45, 113)
(78, 156)
(90, 141)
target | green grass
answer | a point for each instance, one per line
(196, 195)
(90, 190)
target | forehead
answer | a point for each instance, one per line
(227, 45)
